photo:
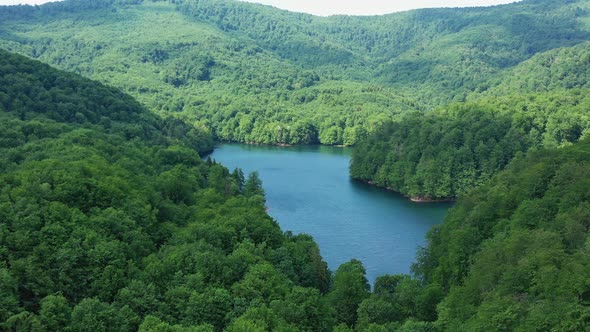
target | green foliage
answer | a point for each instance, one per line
(220, 83)
(253, 185)
(448, 151)
(304, 308)
(562, 68)
(252, 73)
(154, 324)
(513, 254)
(350, 289)
(112, 222)
(55, 312)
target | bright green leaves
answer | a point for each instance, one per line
(512, 254)
(350, 289)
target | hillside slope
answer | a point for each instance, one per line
(542, 102)
(442, 53)
(562, 68)
(201, 74)
(513, 255)
(253, 73)
(112, 222)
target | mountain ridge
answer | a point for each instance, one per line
(431, 56)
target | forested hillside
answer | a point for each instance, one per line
(443, 53)
(542, 102)
(252, 73)
(110, 221)
(562, 68)
(446, 152)
(196, 72)
(513, 255)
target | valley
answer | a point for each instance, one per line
(204, 165)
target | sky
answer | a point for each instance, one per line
(370, 7)
(18, 2)
(348, 7)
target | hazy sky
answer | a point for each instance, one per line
(351, 7)
(370, 7)
(17, 2)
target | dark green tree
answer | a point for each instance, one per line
(350, 289)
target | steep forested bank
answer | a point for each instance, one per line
(448, 151)
(513, 254)
(541, 103)
(110, 221)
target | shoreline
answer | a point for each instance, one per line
(217, 143)
(414, 199)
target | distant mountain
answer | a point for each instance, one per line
(562, 68)
(254, 73)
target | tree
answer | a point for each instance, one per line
(55, 313)
(154, 324)
(253, 185)
(8, 295)
(350, 289)
(374, 310)
(304, 308)
(262, 283)
(94, 315)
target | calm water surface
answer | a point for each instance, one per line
(308, 190)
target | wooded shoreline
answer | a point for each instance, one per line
(415, 199)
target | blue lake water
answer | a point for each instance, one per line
(308, 190)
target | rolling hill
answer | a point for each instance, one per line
(254, 73)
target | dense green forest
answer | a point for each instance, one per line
(450, 150)
(542, 102)
(200, 74)
(110, 220)
(253, 73)
(513, 254)
(561, 68)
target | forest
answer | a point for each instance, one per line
(256, 74)
(443, 153)
(248, 73)
(113, 219)
(446, 152)
(113, 222)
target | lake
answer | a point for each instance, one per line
(308, 190)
